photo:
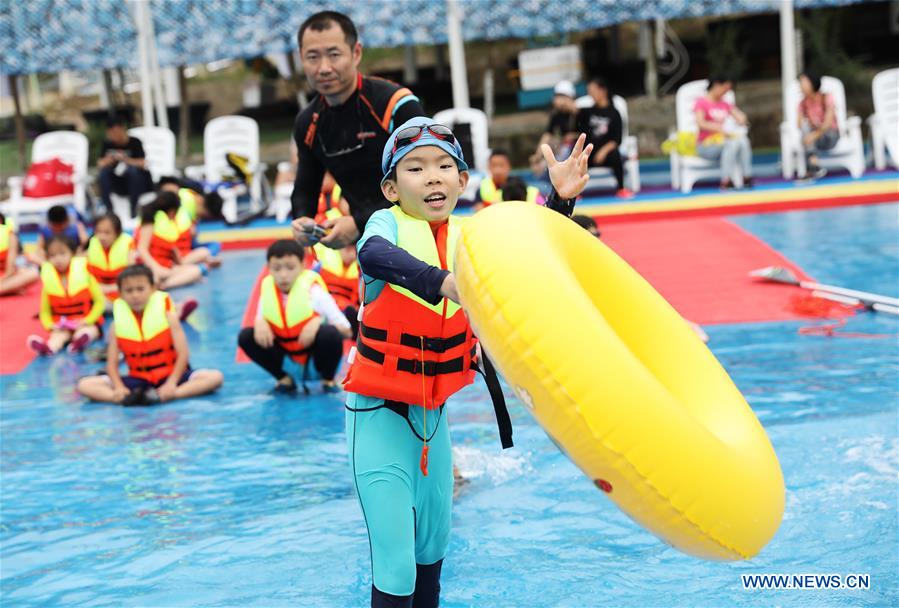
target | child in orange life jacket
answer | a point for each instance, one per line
(12, 278)
(109, 252)
(338, 267)
(72, 302)
(146, 331)
(296, 317)
(197, 206)
(415, 350)
(162, 236)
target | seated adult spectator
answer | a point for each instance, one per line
(122, 166)
(717, 140)
(817, 121)
(561, 132)
(603, 126)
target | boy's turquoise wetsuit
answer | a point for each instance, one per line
(407, 513)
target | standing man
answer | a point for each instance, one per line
(344, 128)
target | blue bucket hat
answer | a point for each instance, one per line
(389, 159)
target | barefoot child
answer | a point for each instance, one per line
(147, 332)
(71, 300)
(296, 317)
(415, 350)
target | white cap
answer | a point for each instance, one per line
(564, 87)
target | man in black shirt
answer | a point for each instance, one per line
(122, 166)
(602, 124)
(344, 128)
(562, 131)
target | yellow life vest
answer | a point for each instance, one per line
(491, 194)
(105, 266)
(6, 229)
(74, 301)
(188, 202)
(147, 345)
(287, 321)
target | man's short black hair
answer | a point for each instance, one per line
(167, 179)
(66, 240)
(283, 248)
(57, 214)
(114, 120)
(113, 219)
(135, 270)
(498, 152)
(515, 189)
(324, 20)
(600, 82)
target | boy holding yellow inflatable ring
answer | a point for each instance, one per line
(415, 349)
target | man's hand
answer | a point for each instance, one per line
(448, 288)
(263, 334)
(343, 232)
(302, 231)
(570, 176)
(600, 156)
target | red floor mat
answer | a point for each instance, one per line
(17, 320)
(701, 267)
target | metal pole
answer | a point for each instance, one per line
(146, 94)
(155, 73)
(458, 71)
(184, 117)
(20, 122)
(787, 50)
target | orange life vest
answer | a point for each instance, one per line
(328, 204)
(409, 350)
(342, 281)
(287, 321)
(146, 343)
(170, 235)
(105, 265)
(74, 300)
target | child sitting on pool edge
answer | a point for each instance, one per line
(293, 303)
(146, 330)
(415, 350)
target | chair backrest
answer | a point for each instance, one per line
(236, 134)
(885, 89)
(620, 104)
(686, 98)
(69, 146)
(830, 86)
(159, 148)
(477, 121)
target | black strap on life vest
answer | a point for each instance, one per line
(503, 421)
(414, 366)
(436, 345)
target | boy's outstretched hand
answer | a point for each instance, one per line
(569, 177)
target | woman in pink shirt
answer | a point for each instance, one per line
(817, 121)
(714, 141)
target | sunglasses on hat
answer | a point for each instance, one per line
(410, 135)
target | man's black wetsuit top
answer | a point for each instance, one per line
(348, 140)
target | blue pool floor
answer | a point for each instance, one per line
(245, 499)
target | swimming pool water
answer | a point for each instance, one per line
(245, 499)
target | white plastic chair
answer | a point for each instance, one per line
(69, 146)
(477, 120)
(884, 123)
(849, 152)
(603, 176)
(687, 170)
(159, 149)
(238, 135)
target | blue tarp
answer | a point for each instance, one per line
(55, 35)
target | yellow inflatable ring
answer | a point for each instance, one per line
(619, 381)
